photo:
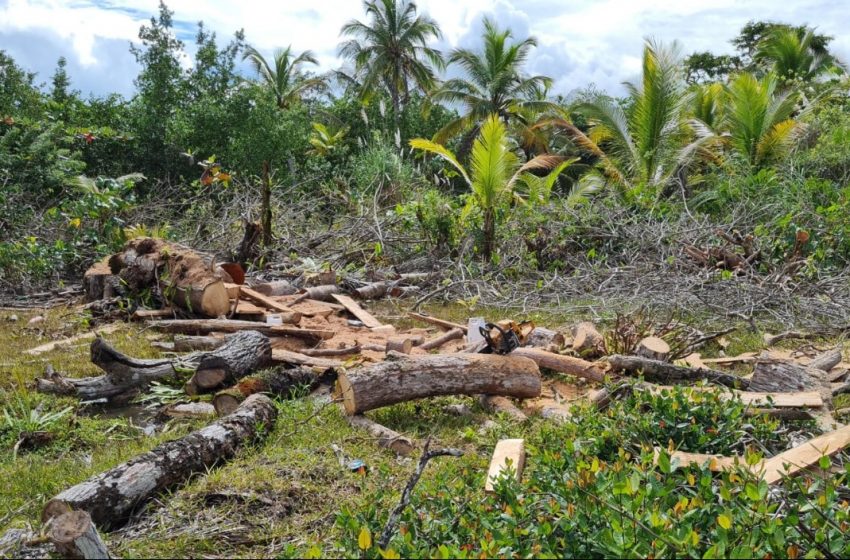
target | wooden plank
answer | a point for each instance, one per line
(266, 301)
(71, 340)
(804, 456)
(248, 308)
(233, 290)
(354, 308)
(513, 449)
(445, 325)
(152, 313)
(805, 399)
(716, 463)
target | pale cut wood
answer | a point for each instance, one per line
(47, 347)
(152, 313)
(593, 371)
(399, 344)
(436, 342)
(508, 456)
(268, 302)
(229, 326)
(745, 358)
(403, 378)
(354, 308)
(802, 457)
(275, 288)
(111, 497)
(715, 463)
(695, 360)
(653, 348)
(247, 308)
(384, 436)
(289, 357)
(75, 536)
(825, 361)
(545, 339)
(233, 290)
(383, 329)
(190, 410)
(496, 403)
(587, 341)
(445, 325)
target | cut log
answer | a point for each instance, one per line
(375, 290)
(190, 410)
(805, 456)
(359, 313)
(546, 339)
(781, 376)
(324, 352)
(276, 288)
(98, 281)
(715, 463)
(588, 342)
(653, 348)
(112, 496)
(75, 536)
(241, 354)
(296, 358)
(399, 344)
(406, 379)
(320, 293)
(286, 313)
(508, 456)
(141, 314)
(228, 326)
(182, 275)
(445, 325)
(593, 371)
(197, 343)
(448, 336)
(825, 361)
(233, 290)
(384, 436)
(497, 404)
(662, 372)
(279, 382)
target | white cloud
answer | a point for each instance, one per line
(580, 42)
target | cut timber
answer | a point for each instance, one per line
(502, 404)
(826, 360)
(445, 325)
(279, 382)
(546, 339)
(112, 496)
(385, 437)
(653, 348)
(662, 372)
(296, 358)
(354, 308)
(276, 288)
(320, 293)
(181, 274)
(781, 376)
(509, 456)
(247, 308)
(405, 379)
(242, 353)
(233, 290)
(228, 326)
(453, 334)
(695, 360)
(802, 457)
(72, 340)
(594, 371)
(715, 463)
(399, 344)
(75, 536)
(152, 313)
(288, 315)
(190, 410)
(375, 290)
(197, 343)
(588, 342)
(98, 280)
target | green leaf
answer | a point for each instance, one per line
(752, 492)
(724, 521)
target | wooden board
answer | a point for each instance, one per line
(257, 297)
(716, 463)
(513, 449)
(152, 313)
(354, 308)
(804, 456)
(247, 308)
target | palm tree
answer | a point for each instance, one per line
(286, 79)
(758, 118)
(391, 51)
(790, 53)
(493, 172)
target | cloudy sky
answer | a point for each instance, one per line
(581, 41)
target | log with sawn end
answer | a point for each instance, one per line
(387, 438)
(663, 372)
(279, 381)
(594, 371)
(436, 342)
(243, 353)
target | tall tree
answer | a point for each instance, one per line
(284, 77)
(494, 84)
(391, 51)
(59, 93)
(794, 54)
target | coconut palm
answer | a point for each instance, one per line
(493, 172)
(494, 82)
(285, 79)
(391, 50)
(759, 118)
(791, 53)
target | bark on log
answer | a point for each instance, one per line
(662, 372)
(781, 377)
(545, 339)
(453, 334)
(653, 348)
(324, 352)
(495, 403)
(75, 536)
(228, 326)
(241, 354)
(319, 293)
(588, 342)
(99, 282)
(111, 497)
(279, 382)
(825, 361)
(276, 288)
(399, 344)
(183, 276)
(197, 343)
(385, 437)
(375, 290)
(299, 359)
(406, 379)
(594, 371)
(190, 410)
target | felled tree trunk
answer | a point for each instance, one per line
(75, 536)
(594, 371)
(242, 353)
(545, 339)
(99, 282)
(399, 380)
(276, 288)
(663, 372)
(453, 334)
(825, 361)
(375, 290)
(111, 497)
(279, 382)
(385, 437)
(183, 278)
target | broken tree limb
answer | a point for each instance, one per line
(242, 353)
(594, 371)
(111, 497)
(405, 379)
(496, 403)
(296, 358)
(385, 437)
(41, 349)
(453, 334)
(275, 288)
(319, 293)
(770, 340)
(279, 382)
(662, 372)
(197, 343)
(75, 536)
(375, 290)
(228, 326)
(825, 361)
